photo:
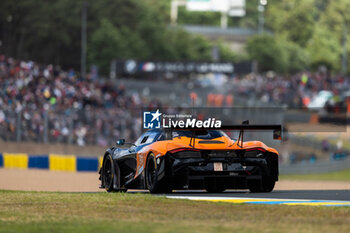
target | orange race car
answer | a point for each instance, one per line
(162, 160)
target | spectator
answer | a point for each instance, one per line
(325, 145)
(294, 91)
(45, 100)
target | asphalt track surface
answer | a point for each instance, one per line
(334, 195)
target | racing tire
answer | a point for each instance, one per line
(111, 175)
(267, 185)
(151, 177)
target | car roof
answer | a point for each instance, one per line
(155, 130)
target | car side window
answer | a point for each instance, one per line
(161, 137)
(138, 141)
(151, 137)
(146, 138)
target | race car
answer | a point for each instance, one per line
(163, 160)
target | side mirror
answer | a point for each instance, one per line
(277, 135)
(120, 142)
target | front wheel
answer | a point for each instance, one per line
(151, 176)
(111, 175)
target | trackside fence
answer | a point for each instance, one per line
(52, 162)
(73, 163)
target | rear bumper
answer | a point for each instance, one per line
(199, 173)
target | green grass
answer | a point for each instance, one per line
(343, 175)
(115, 212)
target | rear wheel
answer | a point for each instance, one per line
(151, 176)
(267, 184)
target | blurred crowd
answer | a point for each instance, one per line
(46, 104)
(313, 90)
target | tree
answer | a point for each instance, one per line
(324, 49)
(277, 53)
(108, 43)
(293, 19)
(49, 32)
(298, 57)
(268, 52)
(336, 20)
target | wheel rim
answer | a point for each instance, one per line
(151, 173)
(108, 176)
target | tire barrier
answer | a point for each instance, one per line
(52, 162)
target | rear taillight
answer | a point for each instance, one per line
(183, 149)
(254, 152)
(257, 148)
(186, 153)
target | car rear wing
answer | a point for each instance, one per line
(277, 130)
